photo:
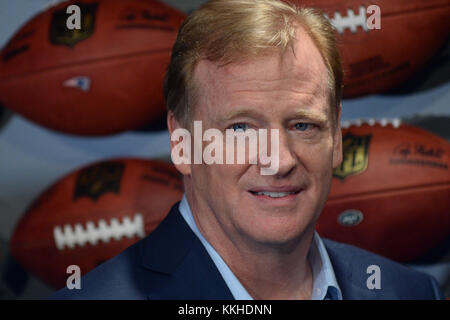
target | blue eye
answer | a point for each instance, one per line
(239, 127)
(301, 126)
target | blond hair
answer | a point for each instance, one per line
(228, 31)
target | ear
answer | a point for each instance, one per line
(337, 141)
(172, 125)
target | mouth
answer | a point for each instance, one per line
(283, 193)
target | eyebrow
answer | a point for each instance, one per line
(305, 114)
(240, 114)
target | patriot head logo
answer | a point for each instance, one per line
(82, 83)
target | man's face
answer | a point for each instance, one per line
(291, 95)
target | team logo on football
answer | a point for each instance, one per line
(97, 180)
(355, 156)
(350, 218)
(81, 83)
(61, 35)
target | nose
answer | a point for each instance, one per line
(287, 158)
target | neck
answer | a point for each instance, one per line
(266, 270)
(273, 275)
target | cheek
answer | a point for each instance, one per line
(317, 161)
(318, 158)
(216, 179)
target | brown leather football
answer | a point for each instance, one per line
(391, 194)
(375, 60)
(104, 78)
(93, 214)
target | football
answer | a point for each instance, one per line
(391, 193)
(93, 214)
(103, 78)
(384, 42)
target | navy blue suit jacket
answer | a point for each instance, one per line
(171, 263)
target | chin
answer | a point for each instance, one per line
(278, 230)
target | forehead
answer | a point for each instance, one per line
(300, 71)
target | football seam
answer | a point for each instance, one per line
(397, 13)
(374, 194)
(84, 62)
(389, 14)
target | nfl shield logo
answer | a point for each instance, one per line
(355, 156)
(99, 179)
(61, 35)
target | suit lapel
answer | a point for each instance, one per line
(350, 277)
(180, 266)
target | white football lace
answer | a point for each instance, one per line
(395, 122)
(81, 235)
(352, 21)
